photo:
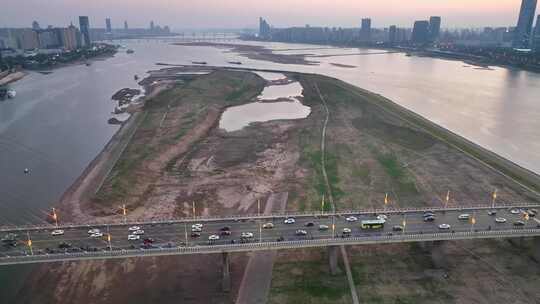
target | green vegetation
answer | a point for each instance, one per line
(307, 282)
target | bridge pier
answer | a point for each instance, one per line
(226, 272)
(333, 260)
(536, 248)
(438, 256)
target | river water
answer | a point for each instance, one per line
(57, 123)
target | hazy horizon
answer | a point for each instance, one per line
(245, 13)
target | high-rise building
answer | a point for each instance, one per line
(420, 32)
(365, 30)
(392, 34)
(108, 25)
(84, 25)
(434, 28)
(35, 25)
(536, 36)
(152, 25)
(69, 37)
(29, 39)
(48, 39)
(264, 29)
(522, 35)
(125, 25)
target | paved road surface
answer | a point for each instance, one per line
(178, 233)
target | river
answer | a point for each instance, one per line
(57, 123)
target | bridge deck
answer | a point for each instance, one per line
(173, 237)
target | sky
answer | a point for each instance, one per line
(179, 14)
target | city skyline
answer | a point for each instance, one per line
(240, 13)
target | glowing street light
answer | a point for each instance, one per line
(333, 230)
(124, 212)
(29, 243)
(404, 222)
(55, 217)
(473, 221)
(493, 198)
(109, 241)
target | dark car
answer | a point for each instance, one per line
(148, 241)
(429, 213)
(397, 228)
(492, 212)
(195, 234)
(226, 228)
(519, 223)
(64, 245)
(310, 224)
(225, 233)
(429, 219)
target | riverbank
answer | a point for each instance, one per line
(12, 77)
(178, 156)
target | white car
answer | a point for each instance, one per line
(57, 232)
(347, 231)
(93, 231)
(197, 226)
(464, 216)
(196, 229)
(515, 211)
(134, 228)
(213, 237)
(134, 237)
(323, 227)
(289, 221)
(96, 235)
(351, 219)
(382, 217)
(268, 226)
(444, 226)
(301, 232)
(500, 220)
(246, 235)
(138, 232)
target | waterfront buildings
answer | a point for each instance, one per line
(29, 39)
(522, 35)
(84, 25)
(420, 34)
(536, 36)
(126, 25)
(264, 29)
(434, 28)
(35, 25)
(365, 30)
(392, 34)
(108, 25)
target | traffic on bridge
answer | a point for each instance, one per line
(258, 232)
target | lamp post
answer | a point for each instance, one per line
(55, 217)
(29, 243)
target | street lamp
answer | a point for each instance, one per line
(493, 198)
(404, 222)
(473, 221)
(55, 217)
(29, 243)
(124, 212)
(385, 200)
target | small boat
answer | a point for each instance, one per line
(235, 62)
(11, 94)
(199, 62)
(26, 170)
(130, 51)
(136, 77)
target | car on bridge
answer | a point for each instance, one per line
(195, 234)
(138, 232)
(134, 237)
(134, 228)
(268, 226)
(57, 232)
(351, 219)
(500, 220)
(93, 231)
(397, 228)
(289, 221)
(372, 224)
(519, 223)
(246, 235)
(300, 232)
(323, 227)
(213, 237)
(444, 226)
(96, 235)
(464, 216)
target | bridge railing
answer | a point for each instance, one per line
(382, 239)
(157, 221)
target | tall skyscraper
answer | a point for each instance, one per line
(522, 35)
(69, 37)
(392, 34)
(420, 32)
(84, 25)
(264, 29)
(152, 25)
(365, 30)
(536, 36)
(125, 25)
(434, 28)
(108, 25)
(35, 25)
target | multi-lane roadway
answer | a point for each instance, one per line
(222, 235)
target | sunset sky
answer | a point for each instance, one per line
(244, 13)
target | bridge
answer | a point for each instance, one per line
(37, 244)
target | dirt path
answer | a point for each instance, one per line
(348, 271)
(257, 278)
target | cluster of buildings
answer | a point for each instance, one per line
(71, 37)
(423, 33)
